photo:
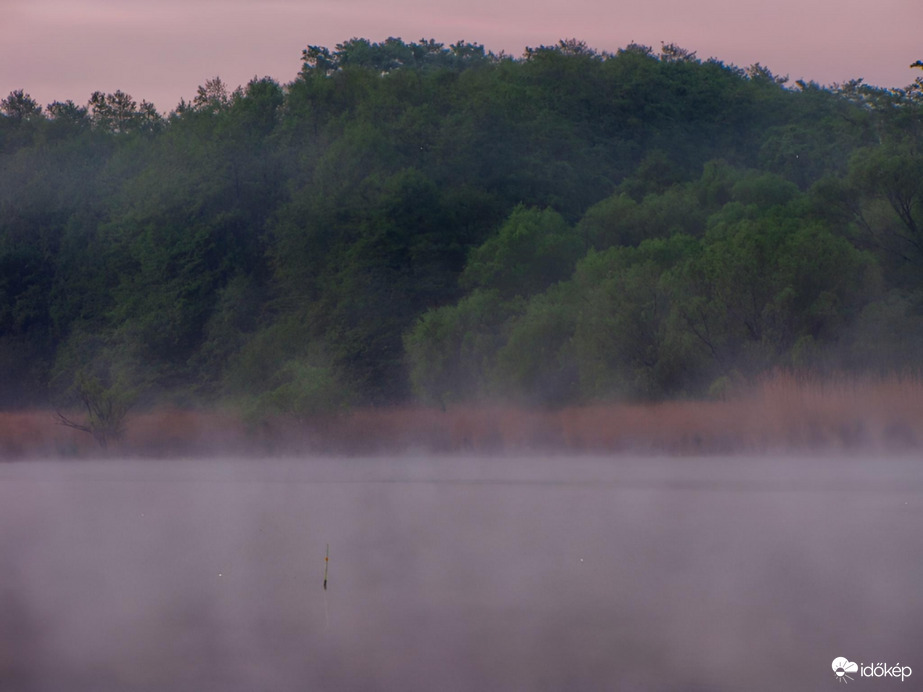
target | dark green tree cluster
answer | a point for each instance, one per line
(419, 220)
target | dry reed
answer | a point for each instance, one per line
(783, 411)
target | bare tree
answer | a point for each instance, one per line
(106, 408)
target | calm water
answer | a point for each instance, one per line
(459, 573)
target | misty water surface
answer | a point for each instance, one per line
(458, 573)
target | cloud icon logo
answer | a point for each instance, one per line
(842, 666)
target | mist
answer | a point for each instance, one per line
(457, 573)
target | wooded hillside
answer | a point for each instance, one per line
(414, 221)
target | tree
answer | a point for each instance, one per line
(68, 112)
(765, 278)
(318, 60)
(451, 350)
(212, 97)
(567, 47)
(120, 113)
(99, 372)
(670, 52)
(20, 107)
(105, 406)
(536, 364)
(623, 342)
(761, 74)
(532, 249)
(422, 209)
(892, 174)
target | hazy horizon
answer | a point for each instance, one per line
(67, 49)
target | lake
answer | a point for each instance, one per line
(459, 573)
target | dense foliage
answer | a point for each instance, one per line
(416, 220)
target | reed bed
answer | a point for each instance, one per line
(782, 411)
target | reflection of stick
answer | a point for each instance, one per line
(326, 562)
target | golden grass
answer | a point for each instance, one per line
(784, 411)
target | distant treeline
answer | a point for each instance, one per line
(418, 221)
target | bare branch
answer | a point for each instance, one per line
(64, 420)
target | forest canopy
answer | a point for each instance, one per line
(416, 221)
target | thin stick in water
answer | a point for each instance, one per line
(326, 563)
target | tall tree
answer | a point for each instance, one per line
(19, 107)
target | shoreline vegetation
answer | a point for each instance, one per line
(783, 412)
(413, 244)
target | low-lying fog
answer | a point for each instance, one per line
(459, 573)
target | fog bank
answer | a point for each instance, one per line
(457, 573)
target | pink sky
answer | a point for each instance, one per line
(161, 50)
